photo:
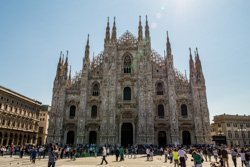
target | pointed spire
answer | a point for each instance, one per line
(190, 54)
(107, 37)
(69, 73)
(113, 36)
(191, 64)
(169, 52)
(66, 61)
(140, 34)
(198, 67)
(147, 35)
(86, 56)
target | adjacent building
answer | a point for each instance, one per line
(19, 118)
(129, 94)
(43, 125)
(233, 130)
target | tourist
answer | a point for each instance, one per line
(166, 154)
(170, 155)
(176, 158)
(197, 159)
(151, 154)
(2, 148)
(242, 157)
(148, 153)
(52, 156)
(204, 153)
(247, 156)
(117, 152)
(104, 154)
(215, 153)
(21, 152)
(224, 156)
(182, 155)
(209, 153)
(33, 155)
(234, 155)
(121, 154)
(161, 151)
(12, 149)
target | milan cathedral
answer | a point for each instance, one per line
(129, 94)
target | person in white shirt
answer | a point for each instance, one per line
(182, 155)
(243, 157)
(104, 154)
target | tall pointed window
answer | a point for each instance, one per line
(159, 88)
(95, 90)
(184, 110)
(127, 93)
(94, 111)
(161, 111)
(72, 112)
(127, 64)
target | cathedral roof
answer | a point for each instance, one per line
(127, 39)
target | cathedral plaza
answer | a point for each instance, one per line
(140, 161)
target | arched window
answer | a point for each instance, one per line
(160, 111)
(72, 112)
(95, 90)
(159, 88)
(127, 93)
(184, 110)
(127, 64)
(94, 111)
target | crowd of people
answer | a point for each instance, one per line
(176, 155)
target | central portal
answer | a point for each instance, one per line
(127, 134)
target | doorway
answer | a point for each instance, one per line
(92, 137)
(162, 139)
(186, 138)
(70, 137)
(127, 134)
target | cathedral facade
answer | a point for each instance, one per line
(129, 94)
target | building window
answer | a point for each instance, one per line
(184, 111)
(95, 90)
(236, 134)
(235, 124)
(72, 112)
(229, 134)
(228, 124)
(94, 111)
(219, 125)
(127, 93)
(243, 134)
(160, 111)
(159, 88)
(40, 130)
(127, 64)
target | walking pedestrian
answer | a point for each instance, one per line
(104, 154)
(52, 156)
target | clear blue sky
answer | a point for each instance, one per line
(32, 34)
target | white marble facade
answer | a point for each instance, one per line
(129, 94)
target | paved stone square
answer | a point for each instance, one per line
(140, 161)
